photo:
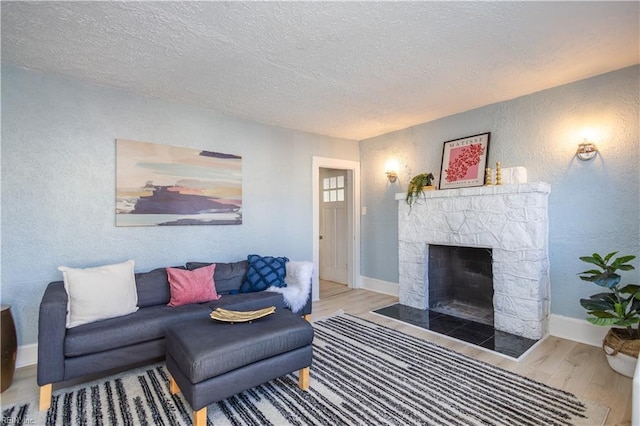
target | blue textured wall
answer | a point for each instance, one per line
(58, 184)
(593, 206)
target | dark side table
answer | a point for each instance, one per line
(9, 344)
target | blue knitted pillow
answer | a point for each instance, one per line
(264, 272)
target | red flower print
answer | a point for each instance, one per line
(461, 160)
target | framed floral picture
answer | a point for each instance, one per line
(464, 161)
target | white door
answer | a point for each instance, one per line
(333, 225)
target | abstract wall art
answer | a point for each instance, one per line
(162, 185)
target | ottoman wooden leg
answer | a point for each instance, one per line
(303, 378)
(173, 386)
(200, 417)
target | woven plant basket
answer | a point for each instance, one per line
(616, 343)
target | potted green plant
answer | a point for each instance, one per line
(617, 307)
(417, 186)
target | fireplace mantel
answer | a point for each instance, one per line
(521, 188)
(512, 220)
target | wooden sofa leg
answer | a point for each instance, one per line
(173, 386)
(307, 317)
(45, 396)
(200, 417)
(303, 378)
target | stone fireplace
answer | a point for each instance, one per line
(509, 220)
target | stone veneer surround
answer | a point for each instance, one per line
(512, 220)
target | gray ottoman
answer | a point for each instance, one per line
(210, 361)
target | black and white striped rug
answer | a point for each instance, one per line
(363, 374)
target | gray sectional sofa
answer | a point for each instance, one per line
(136, 338)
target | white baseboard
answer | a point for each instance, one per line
(27, 355)
(577, 330)
(379, 286)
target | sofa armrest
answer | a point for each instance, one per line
(306, 309)
(52, 329)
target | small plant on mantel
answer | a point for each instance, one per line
(416, 186)
(618, 306)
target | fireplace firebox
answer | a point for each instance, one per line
(461, 282)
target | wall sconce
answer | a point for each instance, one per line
(392, 175)
(391, 170)
(586, 150)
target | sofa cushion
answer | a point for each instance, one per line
(98, 293)
(144, 325)
(227, 276)
(195, 286)
(264, 272)
(153, 288)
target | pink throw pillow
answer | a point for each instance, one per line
(195, 286)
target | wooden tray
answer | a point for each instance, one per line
(240, 316)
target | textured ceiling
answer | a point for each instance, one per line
(346, 69)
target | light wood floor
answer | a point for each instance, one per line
(331, 288)
(574, 367)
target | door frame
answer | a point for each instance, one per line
(353, 253)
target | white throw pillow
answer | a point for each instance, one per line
(99, 293)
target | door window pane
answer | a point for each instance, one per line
(333, 189)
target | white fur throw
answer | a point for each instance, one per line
(298, 280)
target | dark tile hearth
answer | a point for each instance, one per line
(468, 331)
